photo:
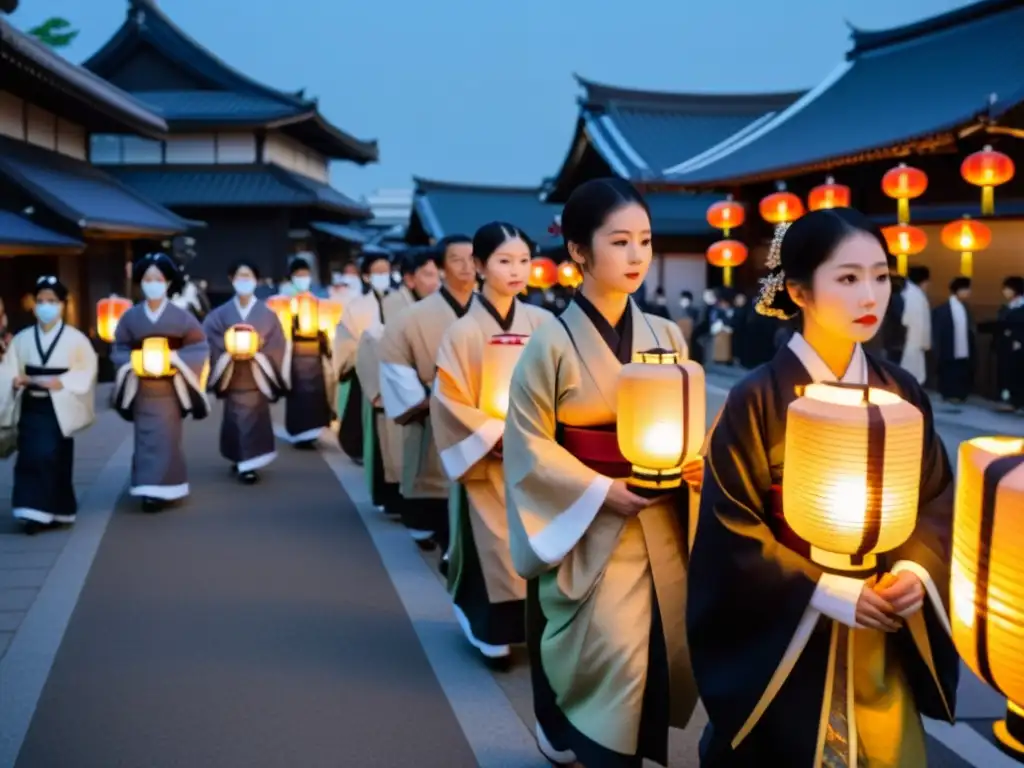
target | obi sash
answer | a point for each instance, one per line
(34, 371)
(780, 528)
(173, 344)
(596, 447)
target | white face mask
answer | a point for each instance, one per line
(338, 279)
(154, 289)
(353, 282)
(684, 303)
(396, 276)
(302, 283)
(244, 286)
(380, 283)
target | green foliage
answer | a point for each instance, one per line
(55, 32)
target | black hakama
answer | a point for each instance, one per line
(307, 406)
(44, 490)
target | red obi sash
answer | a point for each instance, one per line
(597, 448)
(777, 522)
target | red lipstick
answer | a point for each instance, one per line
(632, 275)
(867, 320)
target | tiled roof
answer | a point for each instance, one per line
(241, 185)
(223, 106)
(899, 90)
(16, 230)
(341, 232)
(82, 193)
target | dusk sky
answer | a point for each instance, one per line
(482, 90)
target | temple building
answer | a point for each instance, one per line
(251, 161)
(58, 214)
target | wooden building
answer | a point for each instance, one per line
(249, 160)
(58, 214)
(637, 135)
(928, 94)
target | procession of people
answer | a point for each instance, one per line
(632, 603)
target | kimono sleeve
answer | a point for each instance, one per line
(463, 432)
(270, 360)
(80, 380)
(10, 367)
(400, 385)
(191, 363)
(346, 339)
(749, 612)
(222, 366)
(552, 498)
(368, 363)
(121, 349)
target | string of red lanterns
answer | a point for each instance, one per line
(726, 215)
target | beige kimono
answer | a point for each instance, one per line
(388, 432)
(487, 592)
(598, 579)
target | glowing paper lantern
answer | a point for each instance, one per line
(853, 456)
(727, 254)
(660, 421)
(543, 273)
(282, 307)
(569, 275)
(829, 195)
(329, 312)
(726, 215)
(904, 241)
(241, 341)
(967, 236)
(153, 361)
(987, 574)
(499, 360)
(109, 312)
(305, 309)
(987, 169)
(904, 183)
(781, 207)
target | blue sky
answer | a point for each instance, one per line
(482, 90)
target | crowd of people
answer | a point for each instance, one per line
(631, 606)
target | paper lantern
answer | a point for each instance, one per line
(543, 273)
(109, 312)
(987, 169)
(499, 360)
(829, 195)
(967, 236)
(726, 215)
(781, 207)
(153, 361)
(329, 312)
(569, 275)
(660, 421)
(241, 341)
(904, 183)
(282, 307)
(904, 241)
(987, 573)
(853, 469)
(305, 310)
(727, 254)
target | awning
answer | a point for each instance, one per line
(340, 231)
(84, 195)
(19, 235)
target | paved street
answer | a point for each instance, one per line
(286, 624)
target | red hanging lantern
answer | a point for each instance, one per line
(987, 169)
(726, 215)
(109, 312)
(781, 207)
(569, 275)
(967, 236)
(829, 195)
(543, 273)
(904, 241)
(904, 184)
(727, 254)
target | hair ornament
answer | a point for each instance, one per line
(775, 280)
(774, 260)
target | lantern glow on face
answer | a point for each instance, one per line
(499, 361)
(660, 420)
(854, 456)
(987, 573)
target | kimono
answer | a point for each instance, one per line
(408, 362)
(487, 593)
(954, 345)
(247, 387)
(310, 381)
(360, 313)
(157, 406)
(47, 420)
(773, 676)
(606, 595)
(917, 318)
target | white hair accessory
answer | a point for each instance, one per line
(775, 280)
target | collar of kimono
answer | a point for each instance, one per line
(856, 371)
(505, 323)
(618, 338)
(243, 312)
(154, 315)
(457, 308)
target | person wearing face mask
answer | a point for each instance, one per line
(156, 406)
(360, 313)
(346, 285)
(246, 385)
(309, 371)
(47, 390)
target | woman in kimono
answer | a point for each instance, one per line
(606, 568)
(360, 313)
(248, 387)
(487, 593)
(157, 406)
(309, 373)
(774, 678)
(48, 389)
